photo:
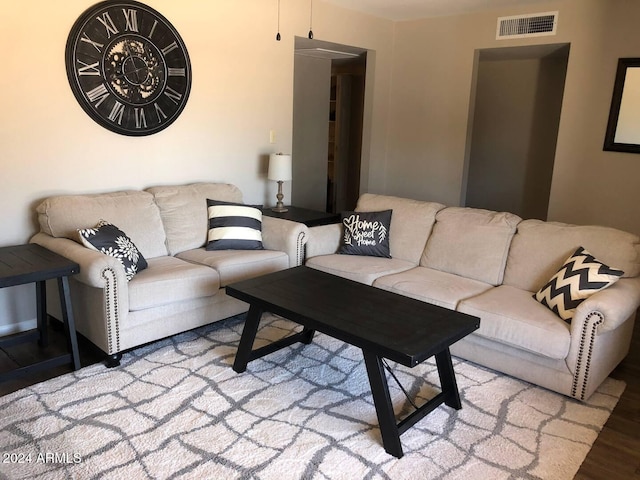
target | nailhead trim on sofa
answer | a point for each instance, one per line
(111, 307)
(583, 364)
(300, 249)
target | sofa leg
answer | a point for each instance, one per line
(114, 360)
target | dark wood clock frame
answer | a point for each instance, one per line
(128, 67)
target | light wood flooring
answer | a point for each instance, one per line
(614, 456)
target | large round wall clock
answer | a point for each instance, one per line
(128, 67)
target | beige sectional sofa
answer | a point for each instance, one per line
(489, 264)
(183, 286)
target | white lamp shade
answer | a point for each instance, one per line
(279, 167)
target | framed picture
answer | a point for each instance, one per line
(623, 129)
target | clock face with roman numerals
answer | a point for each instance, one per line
(128, 67)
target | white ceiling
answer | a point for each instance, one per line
(413, 9)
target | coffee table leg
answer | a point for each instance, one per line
(307, 335)
(448, 379)
(246, 341)
(384, 407)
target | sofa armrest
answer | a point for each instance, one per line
(324, 240)
(614, 304)
(285, 236)
(106, 311)
(601, 333)
(92, 263)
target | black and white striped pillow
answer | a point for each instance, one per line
(580, 277)
(234, 226)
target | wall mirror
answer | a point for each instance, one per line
(623, 129)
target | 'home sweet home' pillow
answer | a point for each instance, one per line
(110, 240)
(366, 233)
(234, 226)
(580, 277)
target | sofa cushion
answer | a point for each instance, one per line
(236, 265)
(471, 242)
(134, 212)
(366, 233)
(411, 223)
(580, 277)
(183, 209)
(168, 280)
(540, 248)
(359, 268)
(513, 317)
(234, 226)
(432, 286)
(110, 240)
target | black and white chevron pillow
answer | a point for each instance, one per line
(580, 277)
(234, 226)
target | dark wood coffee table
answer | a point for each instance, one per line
(383, 324)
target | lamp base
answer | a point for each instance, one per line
(280, 208)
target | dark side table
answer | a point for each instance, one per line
(311, 218)
(32, 263)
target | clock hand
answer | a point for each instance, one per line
(136, 70)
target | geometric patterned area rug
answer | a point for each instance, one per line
(175, 409)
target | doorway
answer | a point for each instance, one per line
(329, 87)
(515, 119)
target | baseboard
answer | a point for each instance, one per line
(19, 327)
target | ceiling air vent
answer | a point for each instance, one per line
(532, 25)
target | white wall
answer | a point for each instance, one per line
(591, 185)
(430, 101)
(242, 88)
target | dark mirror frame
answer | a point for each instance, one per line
(618, 89)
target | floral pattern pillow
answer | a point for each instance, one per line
(110, 240)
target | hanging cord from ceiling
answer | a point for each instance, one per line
(311, 21)
(278, 37)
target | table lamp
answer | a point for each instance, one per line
(280, 171)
